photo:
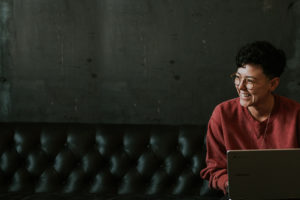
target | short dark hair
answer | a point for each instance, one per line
(263, 53)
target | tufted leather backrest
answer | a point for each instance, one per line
(116, 159)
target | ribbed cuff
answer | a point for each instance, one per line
(221, 182)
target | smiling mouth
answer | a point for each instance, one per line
(244, 95)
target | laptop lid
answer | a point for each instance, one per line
(264, 174)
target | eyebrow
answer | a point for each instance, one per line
(246, 76)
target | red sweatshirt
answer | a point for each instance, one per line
(231, 126)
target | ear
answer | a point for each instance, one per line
(274, 83)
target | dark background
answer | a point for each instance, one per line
(133, 61)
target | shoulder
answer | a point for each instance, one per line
(231, 104)
(228, 107)
(288, 104)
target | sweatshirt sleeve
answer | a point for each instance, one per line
(216, 161)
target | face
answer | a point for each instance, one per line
(255, 87)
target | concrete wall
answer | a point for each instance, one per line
(133, 61)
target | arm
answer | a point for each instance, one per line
(216, 160)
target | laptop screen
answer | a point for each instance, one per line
(264, 174)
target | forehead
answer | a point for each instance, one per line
(251, 70)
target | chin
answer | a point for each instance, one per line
(245, 103)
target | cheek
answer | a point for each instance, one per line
(258, 94)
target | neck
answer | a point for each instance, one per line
(262, 111)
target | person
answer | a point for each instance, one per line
(257, 118)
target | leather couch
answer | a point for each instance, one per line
(64, 161)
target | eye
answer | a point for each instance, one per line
(236, 77)
(250, 80)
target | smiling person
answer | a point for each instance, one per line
(257, 118)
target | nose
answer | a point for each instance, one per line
(242, 85)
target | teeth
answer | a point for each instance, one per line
(245, 95)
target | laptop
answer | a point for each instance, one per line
(264, 174)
